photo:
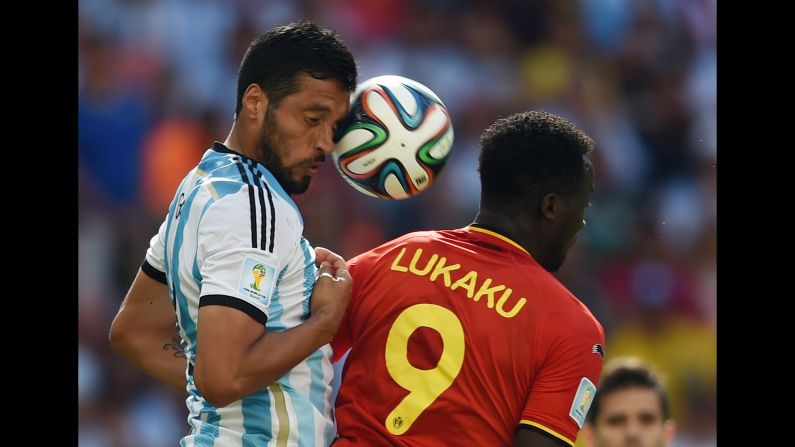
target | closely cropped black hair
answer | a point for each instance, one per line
(527, 155)
(273, 60)
(627, 373)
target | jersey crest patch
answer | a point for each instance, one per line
(257, 280)
(582, 401)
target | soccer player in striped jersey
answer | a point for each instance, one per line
(230, 269)
(463, 337)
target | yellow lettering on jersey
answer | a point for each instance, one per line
(490, 291)
(413, 266)
(467, 282)
(442, 270)
(395, 266)
(516, 307)
(436, 266)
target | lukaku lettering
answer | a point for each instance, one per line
(435, 267)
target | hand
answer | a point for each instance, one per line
(332, 290)
(325, 255)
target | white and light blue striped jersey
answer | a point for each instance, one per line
(233, 237)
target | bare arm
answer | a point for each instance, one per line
(530, 438)
(236, 357)
(144, 332)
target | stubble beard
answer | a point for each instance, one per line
(271, 159)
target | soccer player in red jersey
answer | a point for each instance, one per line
(463, 337)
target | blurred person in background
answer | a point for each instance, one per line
(630, 409)
(229, 303)
(464, 337)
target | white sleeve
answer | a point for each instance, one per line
(154, 262)
(235, 271)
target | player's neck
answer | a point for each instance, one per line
(505, 226)
(240, 143)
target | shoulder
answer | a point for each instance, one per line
(240, 186)
(573, 323)
(374, 254)
(563, 312)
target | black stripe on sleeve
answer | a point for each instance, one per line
(256, 174)
(273, 211)
(235, 303)
(264, 227)
(549, 435)
(262, 205)
(253, 207)
(153, 273)
(273, 217)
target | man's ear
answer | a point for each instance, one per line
(670, 430)
(553, 206)
(254, 104)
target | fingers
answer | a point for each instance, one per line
(342, 273)
(325, 255)
(325, 270)
(333, 272)
(322, 254)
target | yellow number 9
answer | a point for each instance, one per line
(424, 385)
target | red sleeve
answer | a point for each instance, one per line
(342, 340)
(565, 384)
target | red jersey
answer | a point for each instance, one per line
(459, 337)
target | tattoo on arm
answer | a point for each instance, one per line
(177, 345)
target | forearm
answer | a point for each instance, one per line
(235, 357)
(159, 355)
(145, 332)
(272, 356)
(225, 372)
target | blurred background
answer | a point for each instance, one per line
(157, 83)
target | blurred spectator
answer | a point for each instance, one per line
(112, 119)
(682, 349)
(172, 148)
(631, 408)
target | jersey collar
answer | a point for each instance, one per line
(277, 187)
(498, 236)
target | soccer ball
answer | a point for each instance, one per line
(395, 139)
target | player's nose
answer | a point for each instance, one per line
(325, 142)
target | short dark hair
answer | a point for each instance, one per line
(527, 155)
(273, 60)
(624, 373)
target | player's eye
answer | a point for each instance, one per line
(313, 120)
(648, 419)
(616, 421)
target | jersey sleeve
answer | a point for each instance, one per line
(234, 270)
(154, 262)
(343, 340)
(566, 380)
